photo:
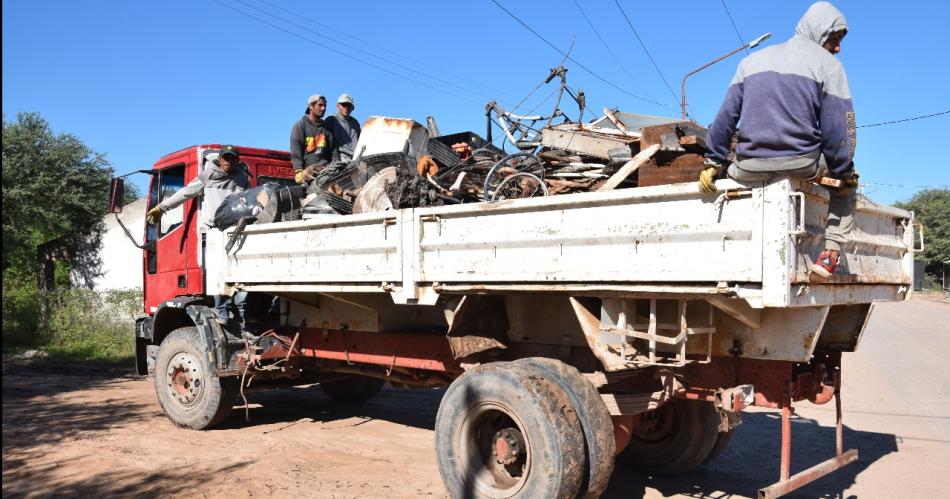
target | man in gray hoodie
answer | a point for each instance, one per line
(797, 119)
(220, 178)
(344, 128)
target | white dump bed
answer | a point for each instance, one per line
(753, 241)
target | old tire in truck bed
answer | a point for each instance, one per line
(502, 431)
(187, 389)
(353, 389)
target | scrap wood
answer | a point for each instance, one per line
(558, 186)
(631, 166)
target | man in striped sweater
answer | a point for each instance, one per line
(797, 120)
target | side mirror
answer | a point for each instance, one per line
(116, 195)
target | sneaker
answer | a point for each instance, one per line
(825, 266)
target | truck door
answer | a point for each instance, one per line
(168, 242)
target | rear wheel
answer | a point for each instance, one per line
(503, 432)
(722, 441)
(673, 439)
(353, 389)
(593, 415)
(187, 389)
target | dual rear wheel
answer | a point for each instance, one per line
(531, 428)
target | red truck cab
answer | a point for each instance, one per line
(173, 260)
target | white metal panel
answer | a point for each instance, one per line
(877, 244)
(668, 233)
(357, 248)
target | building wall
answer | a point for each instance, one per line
(121, 261)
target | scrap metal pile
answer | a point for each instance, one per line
(399, 165)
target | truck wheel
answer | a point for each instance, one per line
(187, 389)
(352, 389)
(722, 441)
(594, 418)
(673, 439)
(503, 431)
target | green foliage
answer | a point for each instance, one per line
(71, 324)
(87, 325)
(21, 312)
(55, 188)
(932, 209)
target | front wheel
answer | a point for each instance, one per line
(187, 389)
(503, 432)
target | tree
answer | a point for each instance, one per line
(55, 191)
(932, 209)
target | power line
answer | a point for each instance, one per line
(904, 120)
(609, 51)
(902, 185)
(338, 52)
(364, 52)
(733, 22)
(384, 49)
(575, 61)
(668, 87)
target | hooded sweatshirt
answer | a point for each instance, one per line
(214, 185)
(793, 104)
(310, 143)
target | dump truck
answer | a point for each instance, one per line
(568, 332)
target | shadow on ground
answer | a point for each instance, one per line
(415, 408)
(752, 461)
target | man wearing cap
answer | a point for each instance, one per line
(311, 144)
(797, 119)
(220, 178)
(344, 128)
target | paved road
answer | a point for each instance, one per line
(896, 400)
(93, 435)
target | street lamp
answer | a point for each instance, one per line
(750, 45)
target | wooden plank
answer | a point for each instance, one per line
(629, 167)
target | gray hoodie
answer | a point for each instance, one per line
(792, 102)
(214, 185)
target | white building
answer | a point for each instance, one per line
(121, 260)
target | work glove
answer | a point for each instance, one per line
(849, 184)
(707, 177)
(307, 174)
(154, 215)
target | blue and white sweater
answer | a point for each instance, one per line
(793, 104)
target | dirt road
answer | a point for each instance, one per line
(98, 434)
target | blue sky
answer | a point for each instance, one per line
(137, 80)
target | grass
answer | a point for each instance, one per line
(73, 325)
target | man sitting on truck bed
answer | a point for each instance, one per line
(311, 143)
(797, 121)
(220, 178)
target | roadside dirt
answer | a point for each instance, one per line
(98, 434)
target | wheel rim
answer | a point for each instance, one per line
(657, 426)
(184, 380)
(496, 450)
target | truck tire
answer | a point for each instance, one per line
(593, 415)
(503, 432)
(185, 384)
(722, 441)
(353, 389)
(674, 439)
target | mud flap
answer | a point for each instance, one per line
(479, 323)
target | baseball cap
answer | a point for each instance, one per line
(229, 149)
(313, 98)
(345, 99)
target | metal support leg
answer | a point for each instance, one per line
(788, 483)
(786, 435)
